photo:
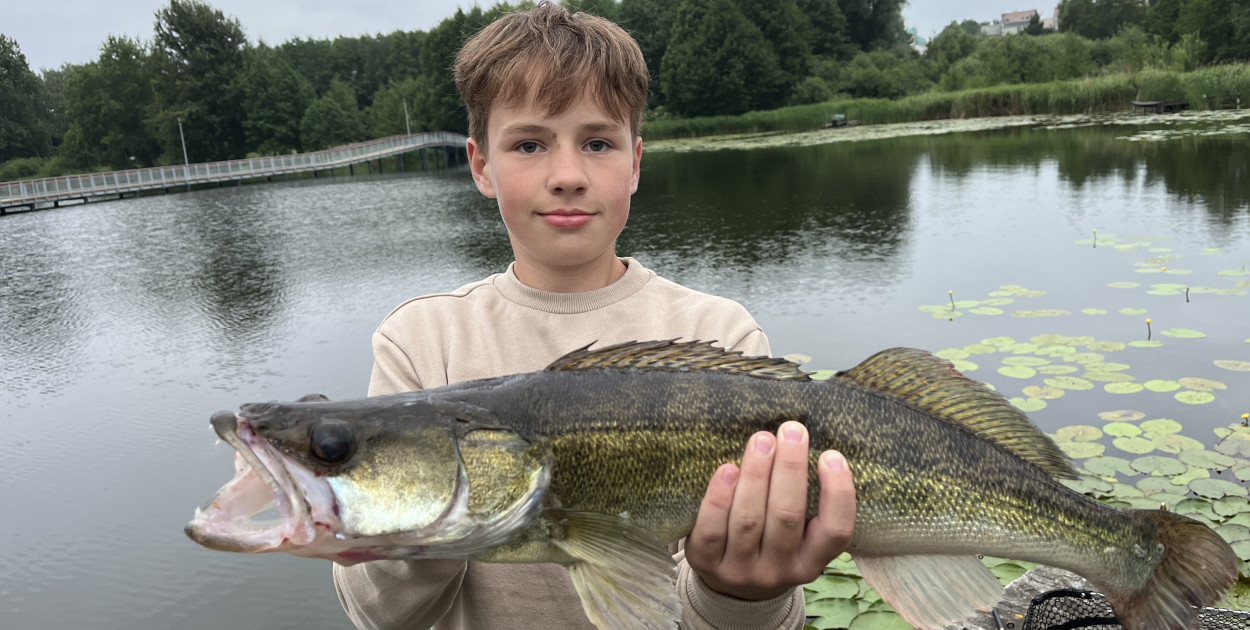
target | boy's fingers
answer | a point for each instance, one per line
(706, 544)
(750, 503)
(829, 533)
(787, 494)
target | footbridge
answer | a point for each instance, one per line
(439, 147)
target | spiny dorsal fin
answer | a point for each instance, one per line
(934, 386)
(674, 356)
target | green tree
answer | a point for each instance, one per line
(883, 74)
(331, 120)
(949, 46)
(199, 55)
(1160, 19)
(717, 62)
(972, 27)
(23, 111)
(275, 99)
(386, 116)
(830, 37)
(1212, 21)
(875, 24)
(789, 33)
(1035, 26)
(650, 23)
(108, 101)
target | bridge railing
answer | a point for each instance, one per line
(112, 182)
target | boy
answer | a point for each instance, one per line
(555, 102)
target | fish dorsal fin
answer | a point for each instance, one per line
(674, 356)
(934, 386)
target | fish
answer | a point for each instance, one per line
(600, 460)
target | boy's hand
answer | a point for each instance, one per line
(752, 539)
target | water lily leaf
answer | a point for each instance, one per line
(1159, 385)
(999, 342)
(980, 348)
(1161, 426)
(1094, 311)
(832, 587)
(1089, 486)
(1069, 382)
(951, 354)
(1050, 339)
(1195, 398)
(1234, 272)
(1124, 285)
(822, 375)
(1194, 472)
(1175, 443)
(1195, 506)
(997, 301)
(832, 613)
(964, 366)
(1243, 474)
(879, 621)
(935, 308)
(1229, 292)
(1217, 488)
(1236, 447)
(1184, 333)
(1056, 351)
(1201, 384)
(949, 314)
(1138, 445)
(1077, 433)
(1009, 571)
(1229, 506)
(1041, 312)
(1122, 429)
(1151, 269)
(1084, 358)
(1211, 460)
(1122, 415)
(1132, 311)
(1107, 366)
(1177, 271)
(1159, 465)
(966, 303)
(1045, 393)
(1057, 369)
(1021, 348)
(1106, 346)
(1025, 361)
(1114, 378)
(1153, 486)
(1236, 366)
(1081, 450)
(1109, 466)
(1145, 343)
(985, 310)
(1028, 405)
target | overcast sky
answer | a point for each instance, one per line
(55, 32)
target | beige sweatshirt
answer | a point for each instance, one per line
(500, 326)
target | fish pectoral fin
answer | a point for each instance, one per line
(931, 591)
(624, 576)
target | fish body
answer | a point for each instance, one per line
(602, 459)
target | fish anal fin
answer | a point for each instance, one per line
(623, 575)
(931, 591)
(932, 385)
(677, 356)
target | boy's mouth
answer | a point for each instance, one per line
(566, 218)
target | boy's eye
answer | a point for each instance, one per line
(597, 146)
(528, 147)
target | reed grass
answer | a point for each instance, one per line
(1213, 87)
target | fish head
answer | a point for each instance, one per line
(421, 479)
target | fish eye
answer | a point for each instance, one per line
(332, 442)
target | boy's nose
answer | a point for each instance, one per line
(567, 174)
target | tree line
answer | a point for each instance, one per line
(707, 57)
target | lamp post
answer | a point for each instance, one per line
(185, 162)
(407, 124)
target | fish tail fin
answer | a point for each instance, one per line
(1195, 569)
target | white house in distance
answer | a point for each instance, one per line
(1017, 21)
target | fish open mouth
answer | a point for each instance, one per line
(272, 504)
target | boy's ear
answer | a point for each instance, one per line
(477, 165)
(637, 164)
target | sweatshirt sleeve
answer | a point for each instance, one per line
(705, 609)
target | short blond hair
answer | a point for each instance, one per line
(552, 56)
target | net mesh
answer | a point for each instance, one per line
(1071, 609)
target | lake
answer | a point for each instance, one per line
(1032, 255)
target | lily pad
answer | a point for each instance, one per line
(1217, 488)
(980, 348)
(1159, 385)
(879, 621)
(1124, 285)
(1056, 351)
(1106, 346)
(1069, 382)
(1158, 465)
(1211, 460)
(1138, 445)
(1084, 358)
(1041, 312)
(1094, 311)
(1025, 361)
(951, 354)
(1184, 333)
(1110, 377)
(1145, 343)
(1194, 472)
(1057, 369)
(822, 375)
(985, 310)
(1195, 398)
(832, 586)
(832, 613)
(1175, 443)
(1109, 466)
(1107, 366)
(1028, 405)
(964, 366)
(1201, 384)
(1078, 433)
(1122, 415)
(1017, 371)
(1122, 429)
(1045, 393)
(1132, 311)
(1236, 366)
(1160, 426)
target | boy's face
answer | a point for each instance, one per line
(562, 181)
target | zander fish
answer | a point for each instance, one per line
(600, 460)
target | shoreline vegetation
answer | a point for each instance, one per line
(1217, 87)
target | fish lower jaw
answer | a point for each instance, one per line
(261, 511)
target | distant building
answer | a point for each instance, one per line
(991, 29)
(1017, 21)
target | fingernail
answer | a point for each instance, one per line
(793, 433)
(729, 476)
(764, 444)
(833, 460)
